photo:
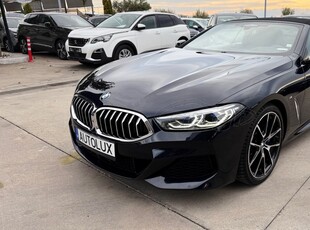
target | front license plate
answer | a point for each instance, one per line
(95, 143)
(75, 50)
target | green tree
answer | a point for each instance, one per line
(27, 8)
(164, 11)
(200, 14)
(246, 11)
(288, 11)
(107, 6)
(131, 5)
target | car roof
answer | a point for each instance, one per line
(101, 16)
(284, 19)
(297, 16)
(243, 14)
(146, 13)
(50, 13)
(19, 18)
(195, 18)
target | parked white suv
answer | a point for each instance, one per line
(126, 34)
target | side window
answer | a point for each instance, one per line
(43, 19)
(32, 19)
(308, 44)
(190, 23)
(177, 20)
(196, 24)
(186, 22)
(149, 22)
(164, 21)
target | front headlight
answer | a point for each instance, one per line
(104, 38)
(201, 119)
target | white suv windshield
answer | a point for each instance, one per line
(248, 37)
(119, 21)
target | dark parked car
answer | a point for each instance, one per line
(13, 25)
(225, 17)
(198, 24)
(49, 31)
(201, 116)
(96, 20)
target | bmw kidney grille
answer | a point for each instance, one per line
(110, 122)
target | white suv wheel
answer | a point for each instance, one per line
(124, 53)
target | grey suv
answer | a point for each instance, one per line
(13, 25)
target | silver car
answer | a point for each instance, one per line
(13, 23)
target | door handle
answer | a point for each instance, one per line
(157, 33)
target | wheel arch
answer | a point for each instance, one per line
(280, 103)
(55, 42)
(129, 43)
(183, 37)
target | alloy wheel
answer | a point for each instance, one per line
(6, 45)
(61, 50)
(124, 53)
(265, 145)
(23, 46)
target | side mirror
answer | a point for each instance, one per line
(141, 26)
(195, 27)
(48, 24)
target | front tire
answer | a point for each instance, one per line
(262, 147)
(6, 45)
(123, 51)
(181, 41)
(23, 45)
(61, 50)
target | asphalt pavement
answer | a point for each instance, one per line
(44, 184)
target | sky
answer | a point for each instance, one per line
(274, 7)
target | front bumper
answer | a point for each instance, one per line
(174, 160)
(89, 53)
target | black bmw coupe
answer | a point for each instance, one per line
(216, 110)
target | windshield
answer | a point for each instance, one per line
(119, 21)
(204, 22)
(70, 21)
(248, 37)
(13, 22)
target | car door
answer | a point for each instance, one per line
(168, 31)
(305, 111)
(150, 37)
(30, 29)
(1, 32)
(45, 32)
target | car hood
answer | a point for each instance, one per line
(94, 32)
(14, 30)
(76, 28)
(176, 80)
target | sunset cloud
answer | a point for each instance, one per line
(212, 6)
(274, 7)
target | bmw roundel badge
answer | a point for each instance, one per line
(105, 96)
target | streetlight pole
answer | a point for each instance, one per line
(265, 8)
(59, 6)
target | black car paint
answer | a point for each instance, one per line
(44, 36)
(158, 78)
